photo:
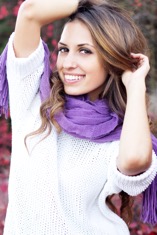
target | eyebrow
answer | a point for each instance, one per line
(79, 45)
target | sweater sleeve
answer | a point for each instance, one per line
(132, 185)
(23, 76)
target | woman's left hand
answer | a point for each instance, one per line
(137, 75)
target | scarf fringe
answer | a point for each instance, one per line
(149, 206)
(4, 92)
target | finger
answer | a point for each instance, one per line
(138, 55)
(140, 58)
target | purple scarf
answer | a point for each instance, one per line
(84, 119)
(87, 120)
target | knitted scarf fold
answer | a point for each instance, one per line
(87, 120)
(84, 119)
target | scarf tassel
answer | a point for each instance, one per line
(4, 93)
(149, 204)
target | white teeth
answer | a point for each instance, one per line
(73, 77)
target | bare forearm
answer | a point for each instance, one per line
(34, 14)
(48, 11)
(135, 143)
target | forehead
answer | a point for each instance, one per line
(76, 32)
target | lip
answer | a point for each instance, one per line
(73, 78)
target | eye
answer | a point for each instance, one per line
(85, 51)
(63, 49)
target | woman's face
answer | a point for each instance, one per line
(79, 65)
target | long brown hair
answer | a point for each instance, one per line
(115, 35)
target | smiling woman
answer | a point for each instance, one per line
(83, 128)
(76, 57)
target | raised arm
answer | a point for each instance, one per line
(33, 14)
(135, 153)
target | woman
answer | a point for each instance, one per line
(90, 137)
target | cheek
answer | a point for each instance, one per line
(101, 78)
(100, 73)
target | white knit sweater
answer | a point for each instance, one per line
(60, 186)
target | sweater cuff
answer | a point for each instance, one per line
(25, 66)
(133, 185)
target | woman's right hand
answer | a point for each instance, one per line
(32, 15)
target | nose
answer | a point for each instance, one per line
(70, 61)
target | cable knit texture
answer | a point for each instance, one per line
(59, 186)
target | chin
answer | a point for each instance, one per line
(72, 92)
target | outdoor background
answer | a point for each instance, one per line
(145, 14)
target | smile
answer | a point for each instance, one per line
(73, 78)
